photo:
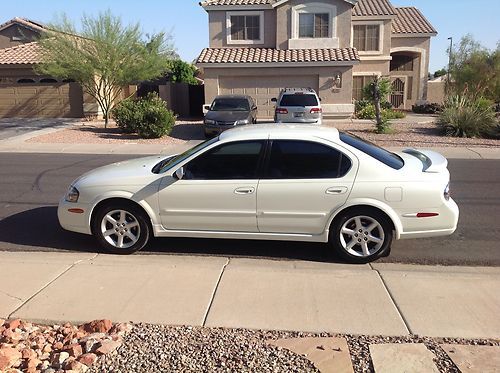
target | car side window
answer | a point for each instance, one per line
(294, 159)
(232, 161)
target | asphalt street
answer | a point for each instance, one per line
(32, 184)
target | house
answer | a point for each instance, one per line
(24, 93)
(258, 47)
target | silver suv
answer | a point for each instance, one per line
(298, 105)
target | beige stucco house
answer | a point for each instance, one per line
(258, 47)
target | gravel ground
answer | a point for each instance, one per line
(405, 133)
(152, 348)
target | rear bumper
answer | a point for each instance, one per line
(290, 119)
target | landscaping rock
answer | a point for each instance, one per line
(107, 347)
(88, 359)
(97, 326)
(9, 358)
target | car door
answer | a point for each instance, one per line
(217, 192)
(303, 183)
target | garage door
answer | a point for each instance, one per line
(41, 101)
(263, 89)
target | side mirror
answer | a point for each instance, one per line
(274, 99)
(320, 99)
(206, 109)
(179, 174)
(254, 107)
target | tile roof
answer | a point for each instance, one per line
(373, 8)
(410, 20)
(25, 54)
(236, 2)
(268, 55)
(37, 26)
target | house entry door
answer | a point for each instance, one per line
(398, 93)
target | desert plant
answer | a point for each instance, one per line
(465, 116)
(126, 115)
(376, 92)
(366, 110)
(155, 120)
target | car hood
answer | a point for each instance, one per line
(131, 172)
(227, 116)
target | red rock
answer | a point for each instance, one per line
(76, 366)
(33, 363)
(13, 324)
(74, 350)
(2, 321)
(58, 346)
(107, 347)
(28, 353)
(97, 326)
(88, 359)
(121, 328)
(9, 357)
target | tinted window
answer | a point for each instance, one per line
(299, 100)
(306, 160)
(230, 104)
(225, 162)
(380, 154)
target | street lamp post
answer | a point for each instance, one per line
(449, 59)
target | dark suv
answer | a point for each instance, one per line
(227, 112)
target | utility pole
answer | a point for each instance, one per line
(449, 61)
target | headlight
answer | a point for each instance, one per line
(209, 121)
(242, 121)
(72, 195)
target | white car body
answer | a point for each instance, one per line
(272, 209)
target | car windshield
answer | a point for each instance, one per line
(386, 157)
(174, 160)
(230, 104)
(299, 99)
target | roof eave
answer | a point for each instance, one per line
(414, 35)
(276, 64)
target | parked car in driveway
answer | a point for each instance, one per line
(297, 183)
(298, 105)
(229, 111)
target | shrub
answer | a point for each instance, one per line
(148, 116)
(427, 108)
(366, 110)
(126, 115)
(464, 116)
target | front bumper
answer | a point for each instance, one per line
(216, 129)
(71, 221)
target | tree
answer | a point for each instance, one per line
(104, 57)
(476, 69)
(182, 72)
(441, 72)
(377, 92)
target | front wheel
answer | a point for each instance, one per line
(121, 228)
(361, 236)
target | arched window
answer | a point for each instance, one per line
(48, 80)
(25, 81)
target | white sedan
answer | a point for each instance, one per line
(296, 183)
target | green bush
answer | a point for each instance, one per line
(427, 108)
(126, 115)
(147, 116)
(465, 116)
(366, 110)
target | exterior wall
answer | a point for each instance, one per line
(218, 30)
(335, 101)
(375, 67)
(16, 31)
(436, 92)
(284, 22)
(416, 45)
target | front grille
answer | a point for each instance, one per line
(224, 123)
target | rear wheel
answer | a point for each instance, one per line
(121, 228)
(361, 236)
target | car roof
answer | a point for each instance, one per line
(280, 131)
(291, 91)
(233, 96)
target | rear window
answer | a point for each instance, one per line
(299, 100)
(386, 157)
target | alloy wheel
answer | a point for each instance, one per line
(362, 236)
(120, 229)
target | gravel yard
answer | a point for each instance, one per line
(149, 348)
(412, 131)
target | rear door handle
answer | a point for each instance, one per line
(336, 190)
(244, 190)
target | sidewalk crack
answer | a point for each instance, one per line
(10, 296)
(215, 291)
(49, 283)
(400, 313)
(472, 150)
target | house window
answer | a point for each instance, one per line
(359, 82)
(402, 63)
(245, 27)
(314, 25)
(25, 81)
(366, 38)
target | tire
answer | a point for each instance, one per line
(121, 223)
(348, 235)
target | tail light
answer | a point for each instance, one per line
(316, 110)
(447, 192)
(281, 110)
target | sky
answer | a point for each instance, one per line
(188, 22)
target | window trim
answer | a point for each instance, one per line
(314, 8)
(264, 175)
(245, 13)
(381, 25)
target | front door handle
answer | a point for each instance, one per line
(248, 190)
(336, 190)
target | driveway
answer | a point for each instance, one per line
(13, 127)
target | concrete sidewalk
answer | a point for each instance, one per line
(378, 299)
